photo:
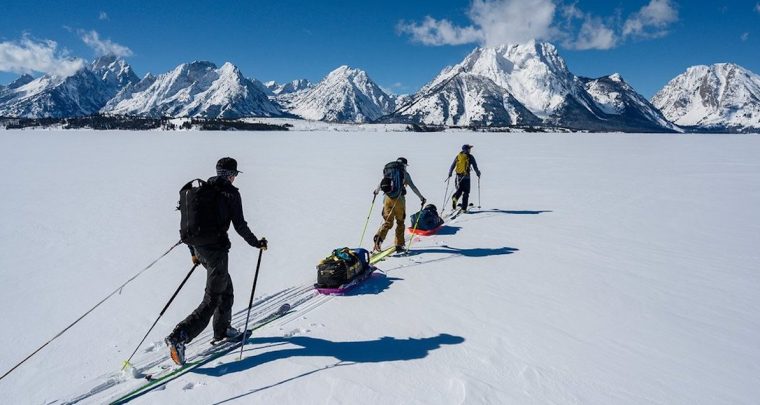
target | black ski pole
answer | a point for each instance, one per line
(118, 289)
(250, 302)
(126, 362)
(416, 222)
(478, 191)
(445, 193)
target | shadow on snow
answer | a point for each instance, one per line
(376, 284)
(380, 350)
(475, 252)
(499, 211)
(448, 230)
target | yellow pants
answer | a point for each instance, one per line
(393, 209)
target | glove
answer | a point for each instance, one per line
(374, 192)
(263, 244)
(423, 202)
(195, 260)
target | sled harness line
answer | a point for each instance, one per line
(126, 362)
(118, 289)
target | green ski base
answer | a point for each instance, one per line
(226, 349)
(381, 255)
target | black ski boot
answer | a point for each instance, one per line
(176, 343)
(378, 244)
(231, 335)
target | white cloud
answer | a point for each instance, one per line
(439, 32)
(103, 16)
(496, 22)
(757, 7)
(512, 21)
(594, 34)
(29, 55)
(103, 46)
(745, 36)
(652, 20)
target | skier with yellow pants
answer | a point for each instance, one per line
(394, 182)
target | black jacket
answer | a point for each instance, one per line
(230, 210)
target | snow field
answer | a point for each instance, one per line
(602, 268)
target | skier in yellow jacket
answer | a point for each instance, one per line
(462, 163)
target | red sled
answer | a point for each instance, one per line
(343, 288)
(424, 232)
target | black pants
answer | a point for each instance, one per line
(463, 189)
(217, 299)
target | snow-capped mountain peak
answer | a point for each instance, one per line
(21, 81)
(114, 71)
(345, 94)
(294, 86)
(532, 80)
(719, 96)
(533, 72)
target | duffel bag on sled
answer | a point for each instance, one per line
(428, 221)
(342, 266)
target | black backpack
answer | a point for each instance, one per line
(200, 222)
(392, 183)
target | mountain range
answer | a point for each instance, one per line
(519, 84)
(197, 89)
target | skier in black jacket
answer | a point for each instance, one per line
(218, 297)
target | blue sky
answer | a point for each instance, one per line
(401, 44)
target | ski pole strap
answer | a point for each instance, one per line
(90, 310)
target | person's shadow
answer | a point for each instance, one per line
(512, 212)
(370, 351)
(475, 252)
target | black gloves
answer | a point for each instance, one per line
(263, 244)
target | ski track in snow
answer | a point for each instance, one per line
(601, 269)
(306, 300)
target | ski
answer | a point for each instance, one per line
(155, 381)
(378, 256)
(455, 214)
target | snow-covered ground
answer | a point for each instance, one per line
(601, 269)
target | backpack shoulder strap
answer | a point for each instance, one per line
(189, 184)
